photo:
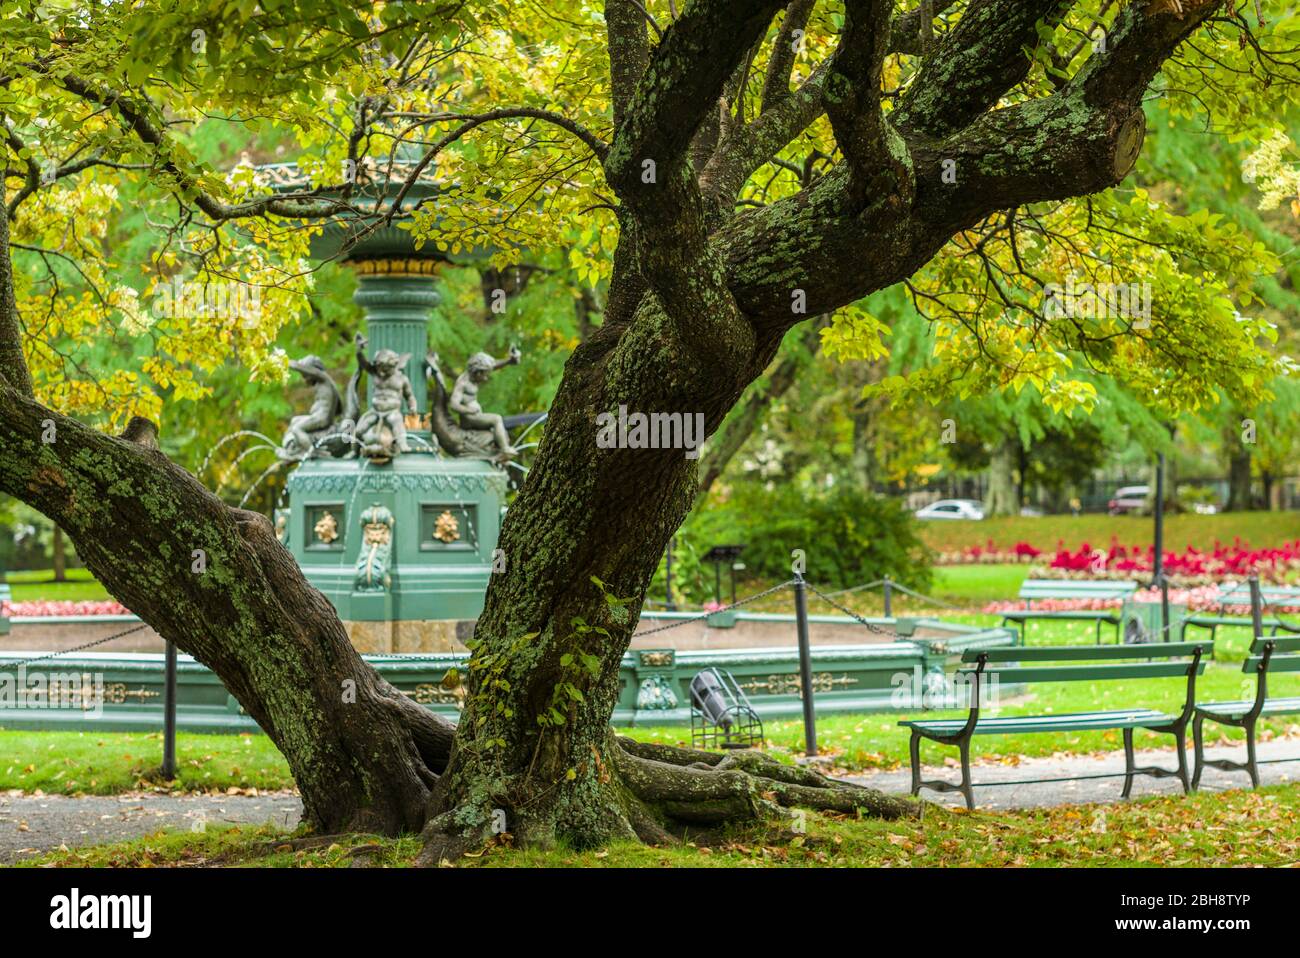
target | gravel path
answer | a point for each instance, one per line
(1041, 795)
(31, 824)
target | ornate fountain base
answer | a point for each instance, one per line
(403, 550)
(411, 636)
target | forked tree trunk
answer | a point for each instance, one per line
(535, 743)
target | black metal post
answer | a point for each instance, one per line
(1256, 608)
(805, 667)
(169, 714)
(1164, 605)
(717, 582)
(668, 576)
(889, 596)
(733, 583)
(1158, 568)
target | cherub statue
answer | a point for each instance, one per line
(464, 398)
(391, 398)
(305, 431)
(479, 434)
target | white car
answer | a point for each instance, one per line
(952, 509)
(1128, 499)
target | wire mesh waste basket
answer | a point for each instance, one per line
(721, 716)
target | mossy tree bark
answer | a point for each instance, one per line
(703, 291)
(218, 583)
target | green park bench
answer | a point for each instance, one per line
(1037, 589)
(1184, 660)
(1261, 661)
(1239, 594)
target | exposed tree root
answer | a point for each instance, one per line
(656, 793)
(712, 789)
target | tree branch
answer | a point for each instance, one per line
(975, 64)
(776, 82)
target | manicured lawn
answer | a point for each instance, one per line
(1206, 829)
(1257, 529)
(68, 763)
(977, 585)
(39, 584)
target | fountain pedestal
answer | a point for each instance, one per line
(421, 589)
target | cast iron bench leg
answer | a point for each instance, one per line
(1128, 763)
(916, 762)
(1252, 764)
(966, 788)
(1198, 742)
(1180, 739)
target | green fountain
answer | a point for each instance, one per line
(394, 505)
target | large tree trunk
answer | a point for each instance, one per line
(218, 583)
(535, 740)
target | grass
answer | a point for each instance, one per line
(975, 585)
(38, 584)
(1257, 529)
(71, 763)
(1206, 829)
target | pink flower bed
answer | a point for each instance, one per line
(83, 607)
(1200, 597)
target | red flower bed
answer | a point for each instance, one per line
(989, 553)
(1189, 567)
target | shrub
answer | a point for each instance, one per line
(849, 537)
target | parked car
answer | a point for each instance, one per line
(1129, 499)
(952, 509)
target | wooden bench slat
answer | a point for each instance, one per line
(1080, 653)
(1281, 643)
(1021, 614)
(1136, 718)
(1279, 663)
(1271, 707)
(1073, 588)
(1085, 673)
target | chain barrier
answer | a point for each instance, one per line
(726, 608)
(849, 612)
(78, 648)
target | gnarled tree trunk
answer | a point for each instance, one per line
(218, 583)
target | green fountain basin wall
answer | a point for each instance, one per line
(881, 677)
(431, 577)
